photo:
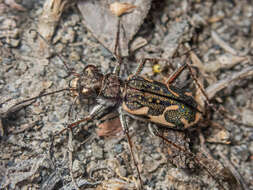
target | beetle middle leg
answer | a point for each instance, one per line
(126, 131)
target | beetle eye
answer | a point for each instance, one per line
(85, 91)
(90, 70)
(73, 83)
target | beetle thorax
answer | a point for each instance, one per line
(111, 87)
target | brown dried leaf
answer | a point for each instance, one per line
(109, 125)
(218, 134)
(121, 8)
(98, 18)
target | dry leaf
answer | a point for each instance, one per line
(105, 27)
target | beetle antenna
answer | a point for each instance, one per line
(69, 70)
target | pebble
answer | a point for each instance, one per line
(74, 56)
(122, 171)
(251, 148)
(59, 47)
(69, 37)
(46, 84)
(9, 23)
(240, 152)
(76, 165)
(6, 61)
(118, 148)
(37, 110)
(62, 73)
(97, 152)
(156, 156)
(241, 100)
(53, 118)
(74, 19)
(12, 42)
(29, 4)
(247, 117)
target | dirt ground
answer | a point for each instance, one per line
(32, 157)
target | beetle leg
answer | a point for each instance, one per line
(141, 66)
(197, 83)
(96, 112)
(144, 60)
(70, 71)
(151, 129)
(175, 74)
(116, 51)
(126, 131)
(196, 158)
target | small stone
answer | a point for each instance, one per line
(62, 73)
(241, 100)
(69, 37)
(97, 151)
(74, 19)
(251, 148)
(156, 156)
(240, 153)
(122, 171)
(76, 165)
(247, 117)
(59, 47)
(74, 56)
(81, 156)
(9, 23)
(12, 42)
(53, 118)
(118, 148)
(46, 84)
(37, 110)
(6, 61)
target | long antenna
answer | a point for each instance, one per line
(69, 70)
(42, 95)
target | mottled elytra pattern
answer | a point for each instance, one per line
(155, 99)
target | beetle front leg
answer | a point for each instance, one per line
(98, 110)
(169, 80)
(175, 75)
(141, 65)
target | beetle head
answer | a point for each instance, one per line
(88, 83)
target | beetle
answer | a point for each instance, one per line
(139, 97)
(157, 102)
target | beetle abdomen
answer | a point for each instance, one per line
(169, 107)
